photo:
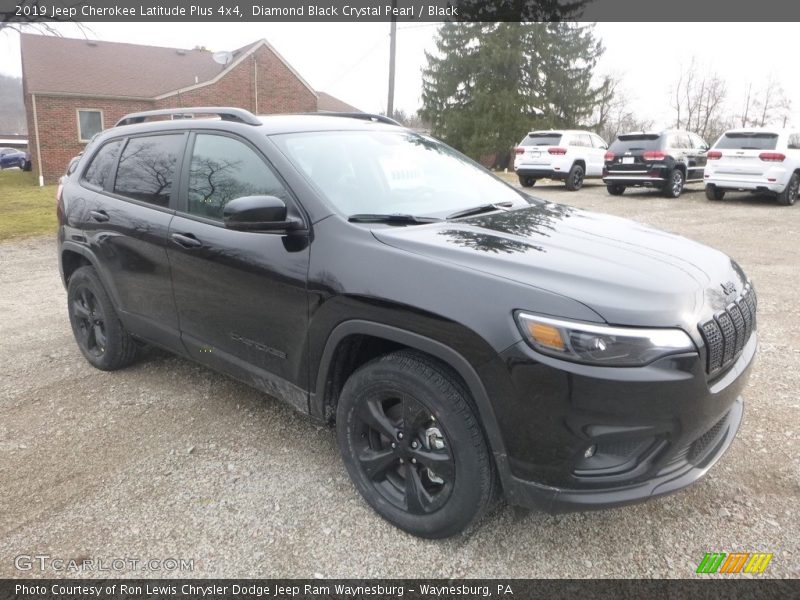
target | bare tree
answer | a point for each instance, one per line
(773, 104)
(613, 115)
(699, 100)
(28, 15)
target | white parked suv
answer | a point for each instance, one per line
(570, 155)
(756, 160)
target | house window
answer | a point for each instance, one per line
(90, 122)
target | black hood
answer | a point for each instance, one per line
(628, 273)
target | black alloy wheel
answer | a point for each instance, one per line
(405, 453)
(674, 185)
(575, 178)
(412, 442)
(90, 321)
(789, 195)
(100, 336)
(615, 189)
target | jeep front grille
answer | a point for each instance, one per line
(728, 331)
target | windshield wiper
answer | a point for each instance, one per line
(476, 210)
(398, 218)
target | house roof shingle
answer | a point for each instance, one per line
(93, 68)
(327, 103)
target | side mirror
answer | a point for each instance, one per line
(258, 213)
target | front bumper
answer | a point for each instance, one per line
(554, 499)
(654, 430)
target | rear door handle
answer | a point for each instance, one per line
(100, 216)
(187, 240)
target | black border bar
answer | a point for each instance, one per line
(390, 589)
(22, 11)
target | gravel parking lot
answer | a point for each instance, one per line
(170, 460)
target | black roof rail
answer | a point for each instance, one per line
(362, 116)
(225, 113)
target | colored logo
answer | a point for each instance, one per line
(735, 562)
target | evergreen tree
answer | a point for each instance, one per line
(489, 83)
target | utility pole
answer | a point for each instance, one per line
(392, 52)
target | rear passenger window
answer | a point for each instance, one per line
(99, 171)
(147, 168)
(223, 169)
(581, 139)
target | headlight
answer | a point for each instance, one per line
(601, 344)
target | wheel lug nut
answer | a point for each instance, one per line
(401, 461)
(399, 435)
(394, 445)
(414, 460)
(414, 444)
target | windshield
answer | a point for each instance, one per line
(748, 141)
(387, 172)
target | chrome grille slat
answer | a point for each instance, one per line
(729, 330)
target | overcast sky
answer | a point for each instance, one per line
(350, 60)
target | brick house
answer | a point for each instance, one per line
(74, 88)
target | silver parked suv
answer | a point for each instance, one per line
(755, 160)
(571, 155)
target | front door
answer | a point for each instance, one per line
(241, 296)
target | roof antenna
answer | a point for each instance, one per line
(222, 58)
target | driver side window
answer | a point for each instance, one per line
(223, 169)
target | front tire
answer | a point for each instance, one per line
(674, 185)
(789, 194)
(527, 180)
(413, 445)
(615, 189)
(575, 178)
(97, 329)
(714, 193)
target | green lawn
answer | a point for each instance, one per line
(25, 208)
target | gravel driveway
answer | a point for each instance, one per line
(170, 460)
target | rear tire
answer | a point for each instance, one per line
(97, 329)
(615, 189)
(674, 185)
(789, 194)
(714, 193)
(413, 445)
(575, 178)
(526, 181)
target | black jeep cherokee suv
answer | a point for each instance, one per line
(665, 160)
(466, 338)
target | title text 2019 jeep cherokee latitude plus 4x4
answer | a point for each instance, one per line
(464, 337)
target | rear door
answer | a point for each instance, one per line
(241, 296)
(127, 203)
(698, 158)
(596, 156)
(737, 155)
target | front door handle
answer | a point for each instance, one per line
(100, 216)
(187, 240)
